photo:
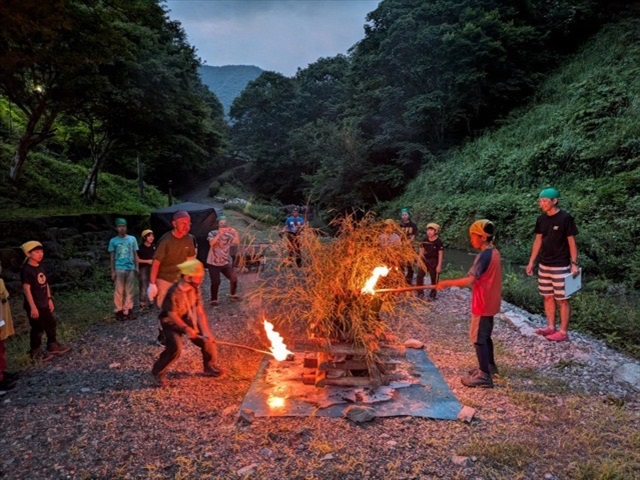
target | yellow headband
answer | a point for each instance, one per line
(479, 227)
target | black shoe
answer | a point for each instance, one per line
(6, 384)
(120, 316)
(493, 370)
(480, 379)
(57, 349)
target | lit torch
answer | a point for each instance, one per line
(373, 279)
(278, 348)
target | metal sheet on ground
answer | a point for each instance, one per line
(419, 391)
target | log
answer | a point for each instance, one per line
(341, 348)
(321, 375)
(352, 365)
(310, 360)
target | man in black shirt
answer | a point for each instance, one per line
(555, 245)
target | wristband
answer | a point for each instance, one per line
(574, 263)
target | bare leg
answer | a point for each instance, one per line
(550, 310)
(565, 315)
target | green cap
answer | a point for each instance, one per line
(405, 210)
(550, 193)
(120, 221)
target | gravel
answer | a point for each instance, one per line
(95, 413)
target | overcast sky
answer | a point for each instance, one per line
(277, 35)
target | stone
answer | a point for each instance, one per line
(461, 461)
(628, 373)
(466, 414)
(247, 415)
(359, 414)
(248, 470)
(413, 343)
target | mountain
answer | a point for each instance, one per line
(228, 81)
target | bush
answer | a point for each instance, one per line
(214, 188)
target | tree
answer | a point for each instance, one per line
(50, 53)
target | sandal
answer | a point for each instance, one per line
(558, 337)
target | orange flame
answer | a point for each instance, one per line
(373, 279)
(278, 348)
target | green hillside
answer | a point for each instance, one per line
(228, 81)
(580, 135)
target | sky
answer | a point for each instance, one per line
(275, 35)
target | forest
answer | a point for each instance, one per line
(456, 109)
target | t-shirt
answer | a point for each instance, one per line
(555, 229)
(172, 251)
(486, 293)
(146, 253)
(430, 249)
(123, 249)
(36, 278)
(293, 224)
(410, 230)
(219, 254)
(183, 302)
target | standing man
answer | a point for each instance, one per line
(555, 245)
(146, 251)
(174, 247)
(410, 230)
(293, 228)
(123, 259)
(219, 260)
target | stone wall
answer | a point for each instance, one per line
(75, 247)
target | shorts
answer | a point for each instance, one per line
(551, 281)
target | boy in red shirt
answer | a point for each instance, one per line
(485, 278)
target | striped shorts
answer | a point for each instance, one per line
(551, 281)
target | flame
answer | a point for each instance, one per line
(278, 348)
(373, 279)
(275, 402)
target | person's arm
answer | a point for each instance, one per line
(50, 299)
(28, 295)
(440, 257)
(573, 251)
(535, 250)
(136, 261)
(178, 324)
(112, 265)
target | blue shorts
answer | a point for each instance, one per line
(551, 281)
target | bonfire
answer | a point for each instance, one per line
(324, 299)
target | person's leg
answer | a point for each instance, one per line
(433, 276)
(420, 274)
(409, 273)
(479, 332)
(229, 272)
(163, 287)
(35, 334)
(214, 275)
(143, 283)
(171, 352)
(127, 305)
(209, 355)
(298, 249)
(118, 292)
(565, 315)
(550, 311)
(49, 324)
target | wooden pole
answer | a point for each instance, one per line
(405, 289)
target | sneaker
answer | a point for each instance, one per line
(212, 372)
(480, 379)
(546, 331)
(558, 337)
(235, 296)
(6, 384)
(40, 355)
(57, 349)
(493, 370)
(120, 316)
(214, 303)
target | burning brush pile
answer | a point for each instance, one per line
(332, 300)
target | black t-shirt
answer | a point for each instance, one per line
(36, 278)
(410, 230)
(429, 249)
(555, 229)
(146, 253)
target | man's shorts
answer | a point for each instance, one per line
(551, 281)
